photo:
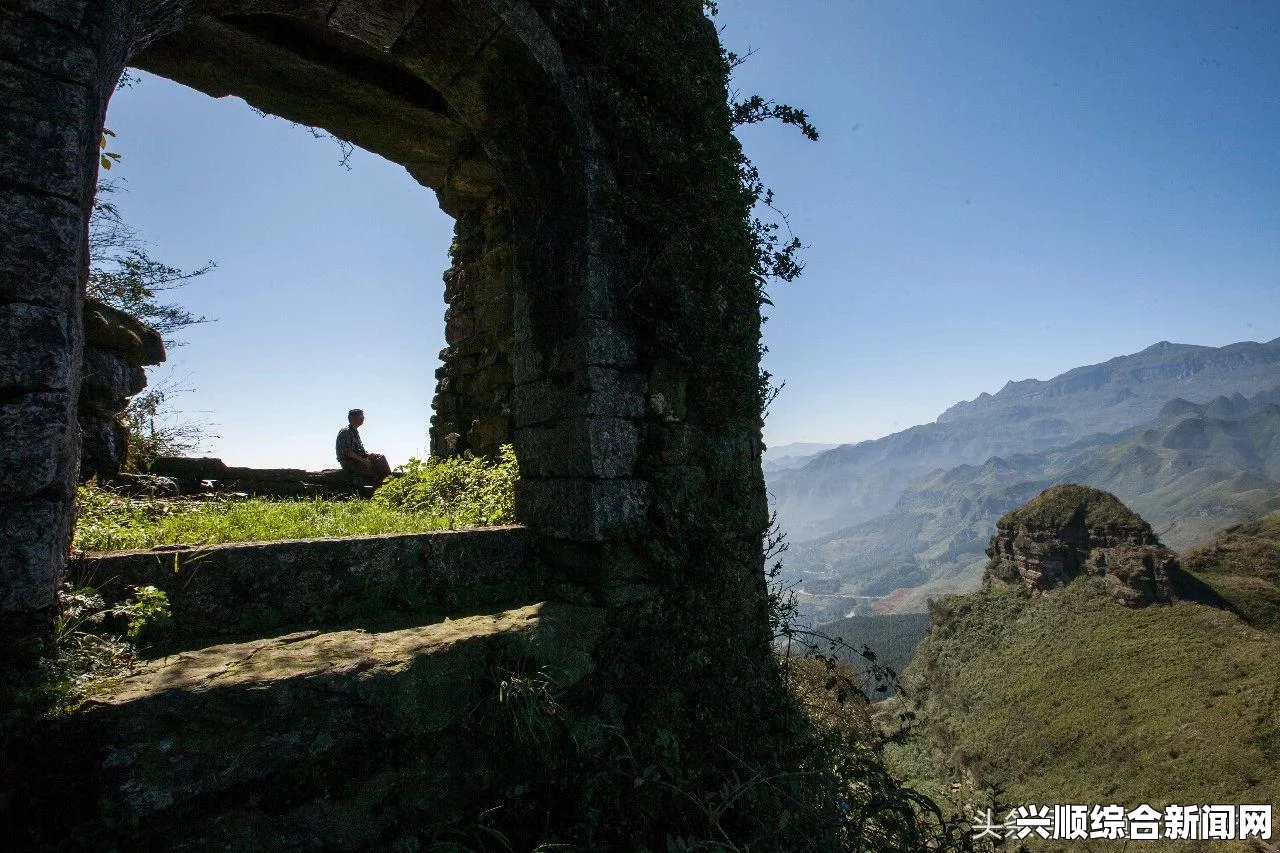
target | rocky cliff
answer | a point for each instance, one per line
(116, 348)
(1068, 531)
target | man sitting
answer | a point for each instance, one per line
(365, 469)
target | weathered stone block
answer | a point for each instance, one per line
(241, 473)
(32, 543)
(40, 256)
(32, 148)
(123, 334)
(606, 344)
(593, 391)
(106, 380)
(42, 46)
(377, 24)
(527, 364)
(35, 348)
(579, 447)
(68, 13)
(585, 510)
(459, 328)
(104, 444)
(41, 445)
(189, 468)
(487, 434)
(598, 343)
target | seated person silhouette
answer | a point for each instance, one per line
(364, 468)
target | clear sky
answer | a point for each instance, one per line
(1003, 189)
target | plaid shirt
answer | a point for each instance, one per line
(348, 439)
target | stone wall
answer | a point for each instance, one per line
(261, 588)
(117, 347)
(472, 405)
(586, 151)
(207, 474)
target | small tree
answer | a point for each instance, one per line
(123, 275)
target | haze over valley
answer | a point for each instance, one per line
(1189, 436)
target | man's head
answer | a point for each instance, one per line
(355, 417)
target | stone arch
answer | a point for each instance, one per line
(472, 97)
(592, 138)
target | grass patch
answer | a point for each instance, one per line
(429, 495)
(1242, 566)
(108, 522)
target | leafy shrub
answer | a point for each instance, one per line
(463, 491)
(149, 614)
(92, 642)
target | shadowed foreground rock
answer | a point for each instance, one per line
(1068, 531)
(338, 741)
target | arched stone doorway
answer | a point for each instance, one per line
(586, 151)
(473, 99)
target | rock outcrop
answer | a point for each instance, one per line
(116, 348)
(1069, 531)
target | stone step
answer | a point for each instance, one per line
(309, 741)
(254, 589)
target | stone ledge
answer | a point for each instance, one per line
(307, 741)
(251, 588)
(201, 475)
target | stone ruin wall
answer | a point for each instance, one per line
(603, 312)
(472, 404)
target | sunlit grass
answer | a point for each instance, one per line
(128, 524)
(430, 495)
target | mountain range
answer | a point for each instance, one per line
(1189, 436)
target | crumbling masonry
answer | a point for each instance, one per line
(603, 305)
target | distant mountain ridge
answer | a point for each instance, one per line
(1231, 368)
(855, 483)
(1192, 470)
(793, 455)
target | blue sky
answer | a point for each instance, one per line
(1002, 190)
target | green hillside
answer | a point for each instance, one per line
(892, 638)
(1071, 698)
(1242, 566)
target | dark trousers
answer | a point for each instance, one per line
(371, 474)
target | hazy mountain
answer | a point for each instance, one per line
(1191, 470)
(792, 455)
(855, 483)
